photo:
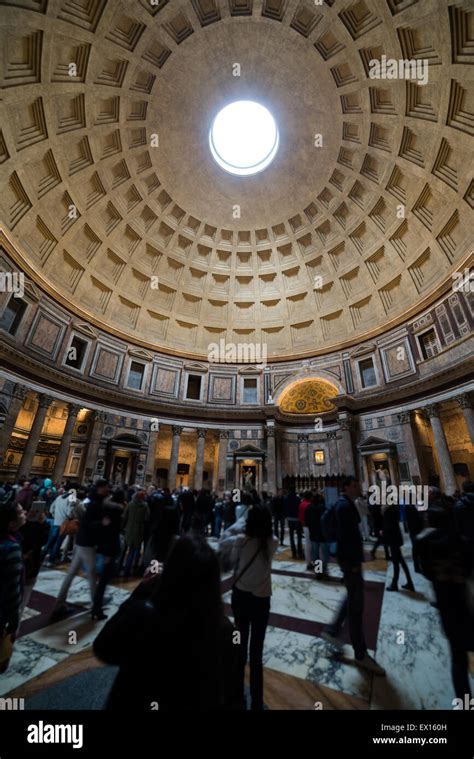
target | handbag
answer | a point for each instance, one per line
(247, 566)
(6, 651)
(69, 527)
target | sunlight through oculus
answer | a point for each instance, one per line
(244, 138)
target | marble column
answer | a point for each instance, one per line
(271, 460)
(61, 459)
(303, 458)
(34, 436)
(151, 454)
(199, 466)
(468, 413)
(174, 457)
(98, 420)
(222, 461)
(405, 420)
(393, 470)
(442, 451)
(19, 394)
(346, 425)
(332, 465)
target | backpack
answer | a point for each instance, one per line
(329, 524)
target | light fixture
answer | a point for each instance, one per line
(244, 138)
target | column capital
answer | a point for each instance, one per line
(303, 437)
(224, 434)
(44, 400)
(271, 431)
(332, 435)
(346, 424)
(404, 417)
(177, 430)
(201, 432)
(100, 416)
(20, 391)
(73, 409)
(464, 400)
(432, 411)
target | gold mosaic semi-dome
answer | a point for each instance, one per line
(116, 207)
(312, 396)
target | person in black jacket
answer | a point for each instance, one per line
(291, 503)
(446, 558)
(392, 537)
(34, 535)
(415, 524)
(186, 506)
(171, 641)
(350, 556)
(319, 546)
(108, 547)
(85, 547)
(464, 513)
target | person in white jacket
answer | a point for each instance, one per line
(252, 545)
(60, 511)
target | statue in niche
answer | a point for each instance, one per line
(249, 478)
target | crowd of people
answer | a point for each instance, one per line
(172, 629)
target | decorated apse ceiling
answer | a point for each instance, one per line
(363, 214)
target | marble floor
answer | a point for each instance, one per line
(402, 630)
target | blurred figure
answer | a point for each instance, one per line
(12, 519)
(229, 510)
(149, 638)
(34, 534)
(278, 516)
(291, 504)
(362, 507)
(136, 515)
(319, 546)
(464, 513)
(446, 558)
(108, 547)
(307, 542)
(392, 537)
(187, 506)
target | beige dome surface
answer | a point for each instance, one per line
(117, 208)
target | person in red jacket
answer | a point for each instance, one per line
(307, 542)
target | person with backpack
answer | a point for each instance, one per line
(344, 523)
(252, 553)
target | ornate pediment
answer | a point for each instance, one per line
(361, 350)
(85, 329)
(195, 366)
(140, 353)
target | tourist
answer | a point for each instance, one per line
(377, 521)
(350, 557)
(362, 507)
(446, 558)
(25, 495)
(163, 534)
(187, 505)
(108, 546)
(135, 517)
(12, 519)
(415, 524)
(319, 546)
(464, 513)
(252, 554)
(243, 508)
(291, 504)
(229, 510)
(85, 548)
(393, 538)
(219, 504)
(278, 516)
(171, 640)
(60, 510)
(34, 534)
(203, 512)
(307, 542)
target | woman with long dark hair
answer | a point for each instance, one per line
(252, 554)
(171, 639)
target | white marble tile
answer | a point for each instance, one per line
(30, 658)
